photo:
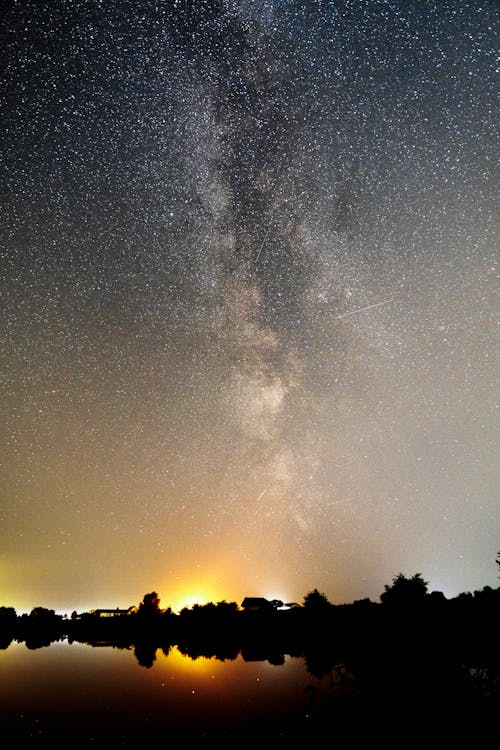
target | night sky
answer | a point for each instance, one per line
(249, 299)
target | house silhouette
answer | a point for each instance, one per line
(252, 603)
(113, 612)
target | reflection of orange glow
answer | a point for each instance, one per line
(178, 661)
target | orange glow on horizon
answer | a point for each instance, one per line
(188, 595)
(223, 578)
(190, 590)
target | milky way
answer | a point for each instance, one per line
(249, 298)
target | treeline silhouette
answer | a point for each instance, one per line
(411, 643)
(407, 617)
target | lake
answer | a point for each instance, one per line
(72, 694)
(103, 696)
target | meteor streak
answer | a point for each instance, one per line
(362, 309)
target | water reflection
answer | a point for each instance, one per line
(82, 695)
(99, 695)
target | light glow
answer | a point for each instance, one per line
(181, 662)
(188, 595)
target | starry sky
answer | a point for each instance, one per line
(248, 289)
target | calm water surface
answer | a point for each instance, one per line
(73, 693)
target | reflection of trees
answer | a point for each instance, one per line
(262, 652)
(145, 653)
(485, 681)
(5, 641)
(276, 660)
(197, 648)
(400, 678)
(320, 659)
(37, 641)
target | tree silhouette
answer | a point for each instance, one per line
(42, 613)
(8, 622)
(405, 591)
(8, 617)
(150, 605)
(316, 600)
